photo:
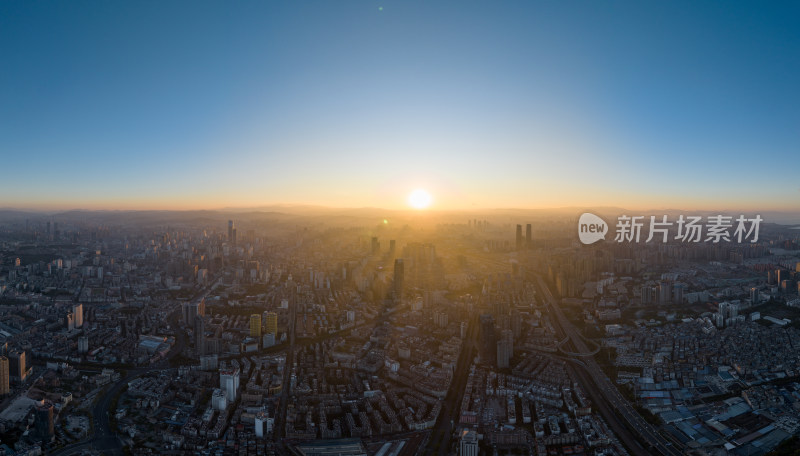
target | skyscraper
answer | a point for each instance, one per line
(255, 325)
(200, 335)
(192, 310)
(83, 345)
(519, 237)
(44, 421)
(189, 313)
(77, 314)
(505, 348)
(230, 230)
(488, 351)
(528, 235)
(18, 369)
(5, 387)
(229, 382)
(271, 323)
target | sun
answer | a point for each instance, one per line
(419, 199)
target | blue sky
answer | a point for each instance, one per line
(486, 104)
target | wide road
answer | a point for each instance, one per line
(635, 422)
(439, 441)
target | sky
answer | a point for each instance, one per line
(534, 104)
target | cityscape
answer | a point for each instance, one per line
(187, 333)
(385, 228)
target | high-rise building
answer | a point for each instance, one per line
(754, 296)
(504, 353)
(468, 443)
(191, 310)
(83, 345)
(488, 352)
(263, 424)
(781, 275)
(18, 369)
(229, 382)
(271, 323)
(70, 320)
(528, 232)
(508, 335)
(5, 381)
(664, 292)
(392, 246)
(399, 278)
(255, 325)
(519, 237)
(200, 335)
(375, 246)
(77, 312)
(44, 421)
(219, 401)
(230, 230)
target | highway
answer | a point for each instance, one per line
(597, 378)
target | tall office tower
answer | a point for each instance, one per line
(255, 325)
(229, 382)
(519, 237)
(375, 247)
(70, 319)
(754, 296)
(488, 342)
(528, 235)
(44, 421)
(77, 314)
(18, 369)
(190, 311)
(230, 230)
(200, 335)
(271, 323)
(664, 292)
(399, 278)
(508, 334)
(201, 308)
(83, 345)
(503, 353)
(468, 443)
(5, 381)
(392, 246)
